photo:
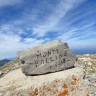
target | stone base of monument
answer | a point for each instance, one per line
(46, 58)
(64, 83)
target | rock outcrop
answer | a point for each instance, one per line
(49, 57)
(64, 83)
(10, 66)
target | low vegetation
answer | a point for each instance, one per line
(12, 65)
(88, 62)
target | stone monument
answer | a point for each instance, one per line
(46, 58)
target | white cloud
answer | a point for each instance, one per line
(9, 2)
(11, 44)
(41, 27)
(53, 19)
(76, 43)
(33, 40)
(11, 28)
(78, 40)
(80, 44)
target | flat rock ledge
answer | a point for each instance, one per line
(69, 82)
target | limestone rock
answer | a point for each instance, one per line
(67, 82)
(49, 57)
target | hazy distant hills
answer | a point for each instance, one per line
(2, 62)
(12, 58)
(84, 51)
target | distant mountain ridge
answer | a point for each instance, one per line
(3, 61)
(11, 58)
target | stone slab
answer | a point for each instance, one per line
(49, 57)
(68, 82)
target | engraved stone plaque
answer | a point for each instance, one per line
(49, 57)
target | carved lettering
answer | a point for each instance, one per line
(51, 59)
(56, 57)
(63, 61)
(45, 53)
(49, 53)
(36, 62)
(65, 54)
(42, 61)
(60, 56)
(47, 61)
(53, 51)
(39, 55)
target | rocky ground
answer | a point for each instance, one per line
(86, 62)
(10, 66)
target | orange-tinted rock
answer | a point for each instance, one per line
(65, 86)
(65, 92)
(58, 81)
(72, 89)
(34, 93)
(87, 95)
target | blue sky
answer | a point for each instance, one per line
(27, 23)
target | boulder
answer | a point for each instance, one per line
(49, 57)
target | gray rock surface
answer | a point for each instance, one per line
(49, 57)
